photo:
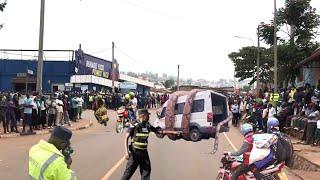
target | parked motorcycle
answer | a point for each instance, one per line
(123, 119)
(229, 164)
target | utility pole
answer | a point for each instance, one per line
(40, 50)
(178, 80)
(27, 79)
(258, 62)
(113, 64)
(275, 48)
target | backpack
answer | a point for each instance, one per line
(283, 149)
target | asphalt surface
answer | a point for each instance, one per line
(99, 148)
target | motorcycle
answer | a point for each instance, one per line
(123, 119)
(229, 164)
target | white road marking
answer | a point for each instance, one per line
(118, 164)
(113, 169)
(230, 142)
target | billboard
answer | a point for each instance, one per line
(90, 65)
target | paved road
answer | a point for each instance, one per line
(98, 149)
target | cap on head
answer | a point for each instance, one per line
(143, 112)
(62, 133)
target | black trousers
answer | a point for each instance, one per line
(138, 158)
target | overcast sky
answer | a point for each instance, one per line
(154, 35)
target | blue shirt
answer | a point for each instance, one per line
(27, 102)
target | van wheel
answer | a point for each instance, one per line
(159, 135)
(195, 135)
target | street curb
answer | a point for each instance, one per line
(49, 131)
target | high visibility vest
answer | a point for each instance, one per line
(274, 97)
(90, 98)
(140, 136)
(47, 163)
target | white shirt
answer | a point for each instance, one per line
(134, 103)
(235, 108)
(272, 112)
(80, 101)
(59, 105)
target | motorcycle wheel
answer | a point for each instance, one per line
(119, 127)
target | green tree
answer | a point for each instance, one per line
(245, 64)
(2, 6)
(169, 83)
(297, 21)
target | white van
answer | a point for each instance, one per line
(208, 109)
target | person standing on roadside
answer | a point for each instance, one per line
(235, 113)
(65, 110)
(52, 114)
(74, 104)
(80, 106)
(2, 114)
(10, 116)
(43, 112)
(28, 104)
(59, 104)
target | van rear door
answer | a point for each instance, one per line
(219, 107)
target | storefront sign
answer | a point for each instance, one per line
(68, 84)
(128, 85)
(90, 65)
(29, 71)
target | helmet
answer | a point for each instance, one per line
(272, 123)
(131, 94)
(246, 128)
(127, 96)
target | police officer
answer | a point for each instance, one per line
(48, 160)
(137, 153)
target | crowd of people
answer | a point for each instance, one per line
(39, 111)
(36, 112)
(297, 110)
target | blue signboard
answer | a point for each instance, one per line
(90, 65)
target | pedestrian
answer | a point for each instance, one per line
(265, 113)
(235, 113)
(2, 114)
(52, 114)
(10, 116)
(65, 111)
(51, 159)
(137, 153)
(28, 104)
(74, 105)
(35, 115)
(80, 104)
(59, 105)
(43, 112)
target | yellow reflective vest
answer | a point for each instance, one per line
(47, 163)
(274, 97)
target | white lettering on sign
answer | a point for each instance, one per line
(101, 67)
(94, 65)
(91, 64)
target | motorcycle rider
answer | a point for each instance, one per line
(132, 105)
(247, 131)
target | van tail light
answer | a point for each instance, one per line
(210, 117)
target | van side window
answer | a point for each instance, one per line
(197, 106)
(178, 109)
(163, 112)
